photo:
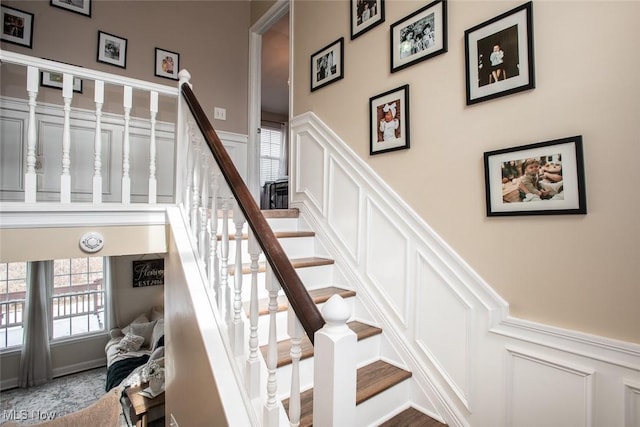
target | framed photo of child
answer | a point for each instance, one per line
(536, 179)
(499, 55)
(419, 36)
(327, 65)
(365, 15)
(167, 64)
(389, 121)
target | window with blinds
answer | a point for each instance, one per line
(270, 151)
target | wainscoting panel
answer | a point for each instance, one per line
(12, 155)
(475, 364)
(443, 328)
(556, 390)
(343, 211)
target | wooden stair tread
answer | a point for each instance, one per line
(281, 213)
(362, 330)
(296, 262)
(319, 296)
(412, 418)
(371, 380)
(278, 234)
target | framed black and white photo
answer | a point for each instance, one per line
(365, 14)
(83, 7)
(17, 26)
(499, 55)
(55, 80)
(167, 64)
(536, 179)
(112, 49)
(419, 36)
(389, 121)
(327, 64)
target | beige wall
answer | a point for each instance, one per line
(259, 8)
(210, 36)
(577, 271)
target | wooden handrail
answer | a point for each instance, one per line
(299, 298)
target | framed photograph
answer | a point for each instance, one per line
(167, 64)
(419, 36)
(536, 179)
(499, 55)
(365, 14)
(83, 7)
(112, 49)
(54, 80)
(327, 65)
(17, 26)
(389, 121)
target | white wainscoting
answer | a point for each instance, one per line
(476, 365)
(14, 114)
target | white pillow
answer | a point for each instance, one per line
(140, 319)
(130, 342)
(158, 331)
(157, 312)
(144, 330)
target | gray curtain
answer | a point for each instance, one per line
(35, 360)
(283, 166)
(111, 314)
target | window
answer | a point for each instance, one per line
(77, 299)
(13, 290)
(78, 296)
(270, 152)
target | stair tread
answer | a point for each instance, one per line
(296, 262)
(319, 296)
(281, 213)
(411, 417)
(278, 234)
(362, 330)
(371, 380)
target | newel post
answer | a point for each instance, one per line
(334, 382)
(182, 144)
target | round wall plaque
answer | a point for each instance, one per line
(91, 242)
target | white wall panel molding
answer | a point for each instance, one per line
(344, 210)
(308, 169)
(541, 386)
(631, 403)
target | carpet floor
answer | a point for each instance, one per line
(61, 396)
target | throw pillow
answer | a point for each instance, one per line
(130, 342)
(140, 319)
(157, 312)
(158, 331)
(144, 330)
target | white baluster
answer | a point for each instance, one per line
(271, 414)
(153, 183)
(214, 276)
(195, 188)
(65, 177)
(126, 179)
(30, 177)
(224, 260)
(334, 367)
(294, 328)
(253, 363)
(238, 324)
(97, 146)
(191, 136)
(204, 212)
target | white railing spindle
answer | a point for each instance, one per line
(153, 183)
(65, 177)
(252, 380)
(238, 324)
(224, 259)
(97, 147)
(30, 178)
(214, 276)
(271, 410)
(126, 179)
(295, 332)
(203, 241)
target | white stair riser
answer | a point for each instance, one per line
(371, 411)
(276, 224)
(294, 247)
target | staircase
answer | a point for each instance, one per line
(384, 388)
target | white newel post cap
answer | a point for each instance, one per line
(336, 312)
(184, 77)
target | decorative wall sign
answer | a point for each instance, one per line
(536, 179)
(148, 273)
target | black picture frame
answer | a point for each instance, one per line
(17, 26)
(389, 121)
(510, 35)
(327, 65)
(544, 178)
(167, 64)
(54, 80)
(82, 7)
(112, 49)
(419, 36)
(365, 15)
